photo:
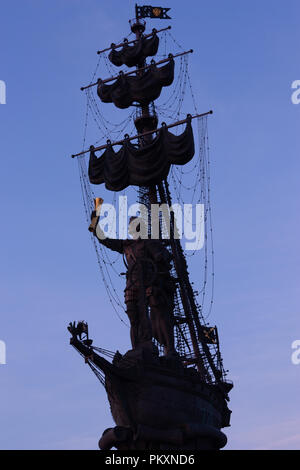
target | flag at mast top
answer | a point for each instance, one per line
(151, 12)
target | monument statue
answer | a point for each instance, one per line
(170, 390)
(148, 284)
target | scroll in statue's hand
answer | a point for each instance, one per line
(94, 222)
(95, 215)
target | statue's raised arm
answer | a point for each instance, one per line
(94, 227)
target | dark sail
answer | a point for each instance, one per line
(142, 166)
(136, 54)
(141, 89)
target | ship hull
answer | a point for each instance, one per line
(162, 405)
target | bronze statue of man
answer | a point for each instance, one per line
(148, 282)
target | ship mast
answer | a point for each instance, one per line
(145, 123)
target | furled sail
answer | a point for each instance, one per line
(136, 54)
(140, 88)
(142, 166)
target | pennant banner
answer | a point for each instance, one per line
(148, 11)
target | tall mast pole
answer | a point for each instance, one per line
(147, 122)
(144, 123)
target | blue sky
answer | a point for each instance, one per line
(244, 63)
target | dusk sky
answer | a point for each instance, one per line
(246, 57)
